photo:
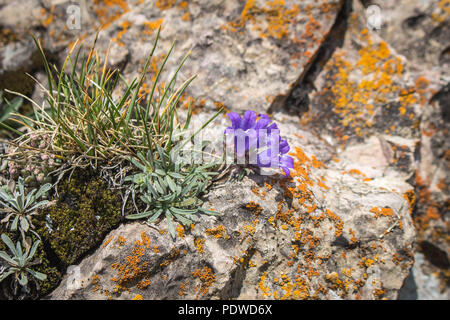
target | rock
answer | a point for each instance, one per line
(418, 30)
(17, 58)
(324, 233)
(243, 55)
(18, 53)
(12, 17)
(422, 284)
(54, 24)
(365, 88)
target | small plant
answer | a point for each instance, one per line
(171, 189)
(20, 263)
(88, 124)
(83, 120)
(20, 206)
(7, 124)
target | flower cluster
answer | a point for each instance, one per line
(32, 168)
(257, 141)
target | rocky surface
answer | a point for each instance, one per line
(422, 284)
(366, 114)
(244, 54)
(326, 232)
(418, 29)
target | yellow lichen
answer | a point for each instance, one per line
(206, 277)
(199, 242)
(218, 232)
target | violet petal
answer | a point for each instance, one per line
(235, 119)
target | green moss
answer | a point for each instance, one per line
(84, 212)
(52, 272)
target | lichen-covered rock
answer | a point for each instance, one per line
(327, 231)
(418, 30)
(365, 88)
(243, 53)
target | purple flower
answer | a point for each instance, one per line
(260, 141)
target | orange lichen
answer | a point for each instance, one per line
(47, 16)
(120, 241)
(217, 232)
(186, 17)
(311, 208)
(173, 255)
(441, 12)
(275, 19)
(151, 26)
(108, 11)
(338, 223)
(133, 268)
(353, 238)
(433, 213)
(378, 293)
(265, 290)
(271, 220)
(354, 171)
(254, 208)
(105, 244)
(125, 25)
(206, 277)
(442, 185)
(199, 242)
(322, 185)
(382, 212)
(96, 283)
(143, 284)
(292, 289)
(165, 4)
(180, 231)
(249, 230)
(397, 259)
(182, 289)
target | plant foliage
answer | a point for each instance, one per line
(20, 262)
(7, 124)
(171, 189)
(19, 206)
